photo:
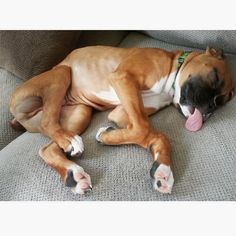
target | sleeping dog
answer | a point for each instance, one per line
(134, 83)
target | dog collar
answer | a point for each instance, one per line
(180, 62)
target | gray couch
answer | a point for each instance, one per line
(204, 162)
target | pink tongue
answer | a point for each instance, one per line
(194, 121)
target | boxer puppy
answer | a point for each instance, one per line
(135, 83)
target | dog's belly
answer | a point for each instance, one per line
(155, 97)
(151, 99)
(107, 98)
(102, 96)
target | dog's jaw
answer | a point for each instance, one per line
(186, 110)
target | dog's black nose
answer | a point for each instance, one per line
(158, 183)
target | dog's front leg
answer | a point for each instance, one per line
(71, 173)
(139, 131)
(160, 172)
(128, 92)
(74, 119)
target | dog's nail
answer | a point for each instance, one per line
(87, 190)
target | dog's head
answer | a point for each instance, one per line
(203, 82)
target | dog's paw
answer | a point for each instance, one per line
(78, 180)
(76, 147)
(163, 179)
(102, 130)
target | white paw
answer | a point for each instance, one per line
(76, 146)
(78, 180)
(163, 179)
(101, 130)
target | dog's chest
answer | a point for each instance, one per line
(156, 97)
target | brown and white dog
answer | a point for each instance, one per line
(135, 83)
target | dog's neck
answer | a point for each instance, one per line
(177, 61)
(182, 59)
(180, 62)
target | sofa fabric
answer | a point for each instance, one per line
(222, 39)
(101, 37)
(8, 83)
(28, 53)
(204, 163)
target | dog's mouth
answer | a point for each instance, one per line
(194, 121)
(186, 110)
(197, 102)
(195, 117)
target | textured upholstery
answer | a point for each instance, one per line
(101, 37)
(28, 53)
(224, 39)
(8, 83)
(203, 162)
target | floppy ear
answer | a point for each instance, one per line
(218, 53)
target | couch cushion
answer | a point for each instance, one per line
(8, 83)
(224, 39)
(203, 162)
(28, 53)
(101, 37)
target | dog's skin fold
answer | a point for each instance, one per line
(135, 83)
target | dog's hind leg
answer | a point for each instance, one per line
(119, 117)
(74, 119)
(37, 103)
(139, 131)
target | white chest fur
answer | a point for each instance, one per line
(158, 96)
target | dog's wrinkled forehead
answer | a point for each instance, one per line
(210, 67)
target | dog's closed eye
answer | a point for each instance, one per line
(216, 82)
(219, 100)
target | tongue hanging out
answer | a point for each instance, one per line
(194, 121)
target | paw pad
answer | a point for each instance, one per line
(78, 180)
(163, 179)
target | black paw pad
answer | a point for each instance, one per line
(70, 181)
(155, 165)
(77, 155)
(158, 183)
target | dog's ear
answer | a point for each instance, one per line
(218, 53)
